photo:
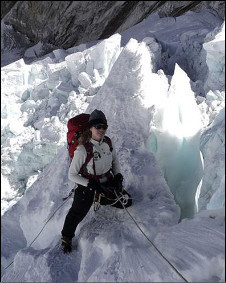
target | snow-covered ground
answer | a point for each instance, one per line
(155, 84)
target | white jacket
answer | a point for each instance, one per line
(104, 159)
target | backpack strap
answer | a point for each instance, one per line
(89, 149)
(108, 141)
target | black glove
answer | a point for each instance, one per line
(117, 181)
(95, 185)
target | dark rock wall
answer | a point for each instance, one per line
(64, 24)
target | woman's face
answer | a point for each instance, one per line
(98, 131)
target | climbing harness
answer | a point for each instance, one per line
(150, 240)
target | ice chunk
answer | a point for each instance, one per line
(105, 54)
(76, 64)
(215, 60)
(84, 80)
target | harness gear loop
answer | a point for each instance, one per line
(96, 201)
(94, 170)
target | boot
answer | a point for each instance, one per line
(66, 244)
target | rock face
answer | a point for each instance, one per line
(64, 24)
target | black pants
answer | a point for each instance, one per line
(83, 200)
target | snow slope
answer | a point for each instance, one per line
(126, 84)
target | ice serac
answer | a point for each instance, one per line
(108, 237)
(211, 194)
(215, 58)
(47, 92)
(98, 60)
(129, 81)
(174, 139)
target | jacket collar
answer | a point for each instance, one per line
(97, 142)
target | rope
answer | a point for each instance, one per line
(151, 241)
(124, 198)
(122, 202)
(65, 200)
(96, 204)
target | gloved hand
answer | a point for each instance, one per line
(117, 181)
(95, 185)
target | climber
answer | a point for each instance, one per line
(96, 171)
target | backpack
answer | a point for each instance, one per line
(76, 126)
